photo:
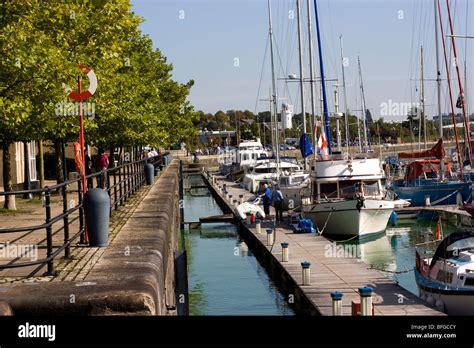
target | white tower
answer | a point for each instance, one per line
(287, 116)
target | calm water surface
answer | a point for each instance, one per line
(394, 251)
(224, 277)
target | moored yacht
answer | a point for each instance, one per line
(444, 273)
(268, 172)
(243, 158)
(348, 197)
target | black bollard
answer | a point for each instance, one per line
(97, 211)
(149, 171)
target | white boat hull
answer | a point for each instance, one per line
(345, 218)
(451, 304)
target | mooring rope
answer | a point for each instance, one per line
(394, 272)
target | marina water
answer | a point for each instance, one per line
(223, 275)
(393, 252)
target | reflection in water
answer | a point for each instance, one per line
(224, 277)
(394, 251)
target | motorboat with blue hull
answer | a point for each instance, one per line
(430, 192)
(444, 273)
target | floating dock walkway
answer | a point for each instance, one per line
(329, 271)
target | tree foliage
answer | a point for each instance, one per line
(42, 43)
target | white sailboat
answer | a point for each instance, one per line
(348, 197)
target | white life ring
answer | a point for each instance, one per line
(75, 95)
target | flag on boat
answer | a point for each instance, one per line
(438, 233)
(459, 102)
(322, 143)
(305, 146)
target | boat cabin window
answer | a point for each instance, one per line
(348, 189)
(328, 190)
(469, 282)
(297, 179)
(371, 188)
(265, 170)
(284, 182)
(431, 175)
(444, 276)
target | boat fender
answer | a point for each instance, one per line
(393, 218)
(430, 299)
(439, 305)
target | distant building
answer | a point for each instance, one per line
(17, 155)
(210, 138)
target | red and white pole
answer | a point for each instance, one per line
(81, 143)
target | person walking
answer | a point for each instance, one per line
(277, 199)
(101, 164)
(266, 200)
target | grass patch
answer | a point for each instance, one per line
(4, 211)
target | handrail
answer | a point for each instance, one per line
(120, 182)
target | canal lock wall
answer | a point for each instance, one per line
(136, 274)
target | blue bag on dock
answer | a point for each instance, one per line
(306, 226)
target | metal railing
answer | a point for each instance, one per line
(120, 182)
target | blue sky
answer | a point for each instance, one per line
(204, 39)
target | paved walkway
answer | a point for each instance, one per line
(83, 258)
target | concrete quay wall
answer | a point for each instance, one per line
(135, 275)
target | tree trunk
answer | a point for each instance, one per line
(59, 161)
(10, 202)
(41, 163)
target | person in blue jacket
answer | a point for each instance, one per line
(266, 200)
(277, 200)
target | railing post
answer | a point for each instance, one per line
(49, 235)
(67, 250)
(120, 184)
(133, 183)
(108, 190)
(129, 178)
(115, 189)
(81, 212)
(125, 178)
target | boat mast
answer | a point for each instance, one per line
(438, 72)
(422, 113)
(461, 91)
(364, 111)
(274, 97)
(323, 83)
(311, 73)
(448, 77)
(300, 53)
(346, 106)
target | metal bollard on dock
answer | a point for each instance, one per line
(365, 301)
(285, 254)
(258, 226)
(230, 198)
(269, 236)
(336, 303)
(305, 266)
(241, 199)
